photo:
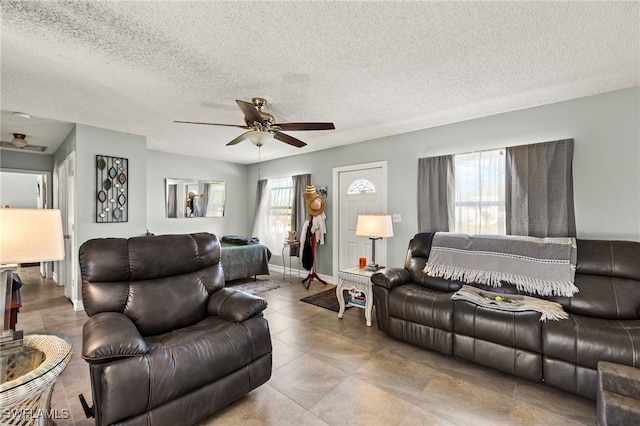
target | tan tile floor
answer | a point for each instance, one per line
(328, 371)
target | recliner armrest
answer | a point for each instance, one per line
(234, 305)
(391, 277)
(107, 336)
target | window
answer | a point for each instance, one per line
(273, 219)
(361, 186)
(280, 204)
(480, 192)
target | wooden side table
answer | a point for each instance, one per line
(357, 279)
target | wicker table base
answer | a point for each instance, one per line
(28, 377)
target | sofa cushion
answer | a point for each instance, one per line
(584, 341)
(187, 359)
(604, 297)
(609, 258)
(511, 329)
(414, 303)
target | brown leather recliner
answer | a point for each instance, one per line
(166, 343)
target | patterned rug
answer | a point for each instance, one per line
(248, 285)
(326, 299)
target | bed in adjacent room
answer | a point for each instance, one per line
(244, 257)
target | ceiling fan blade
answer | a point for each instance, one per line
(250, 112)
(306, 126)
(238, 139)
(282, 137)
(212, 124)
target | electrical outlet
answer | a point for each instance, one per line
(396, 217)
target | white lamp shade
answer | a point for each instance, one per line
(30, 235)
(259, 138)
(374, 226)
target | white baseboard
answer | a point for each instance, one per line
(77, 305)
(54, 277)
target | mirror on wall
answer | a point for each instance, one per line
(194, 198)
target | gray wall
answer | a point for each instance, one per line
(162, 165)
(92, 141)
(606, 129)
(25, 161)
(19, 190)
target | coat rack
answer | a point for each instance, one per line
(314, 205)
(312, 274)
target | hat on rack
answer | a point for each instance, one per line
(310, 192)
(315, 206)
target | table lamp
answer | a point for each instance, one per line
(375, 227)
(28, 235)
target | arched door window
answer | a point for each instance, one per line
(361, 186)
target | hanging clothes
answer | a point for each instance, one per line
(306, 243)
(319, 227)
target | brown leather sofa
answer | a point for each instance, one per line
(166, 343)
(603, 324)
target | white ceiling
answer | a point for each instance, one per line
(373, 68)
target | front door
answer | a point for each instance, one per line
(360, 189)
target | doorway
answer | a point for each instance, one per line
(27, 189)
(359, 189)
(67, 274)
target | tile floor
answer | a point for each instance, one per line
(328, 371)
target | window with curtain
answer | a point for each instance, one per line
(273, 216)
(480, 192)
(520, 190)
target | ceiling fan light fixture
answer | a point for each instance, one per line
(259, 138)
(19, 140)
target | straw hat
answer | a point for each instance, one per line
(310, 192)
(315, 206)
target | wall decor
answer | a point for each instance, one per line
(112, 189)
(188, 198)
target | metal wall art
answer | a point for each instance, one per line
(112, 189)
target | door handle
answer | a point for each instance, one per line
(66, 236)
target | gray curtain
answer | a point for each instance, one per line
(172, 200)
(298, 212)
(436, 193)
(260, 187)
(539, 190)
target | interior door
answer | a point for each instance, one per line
(361, 189)
(66, 188)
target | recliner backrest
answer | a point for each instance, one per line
(608, 276)
(161, 282)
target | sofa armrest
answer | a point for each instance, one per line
(234, 305)
(107, 336)
(391, 277)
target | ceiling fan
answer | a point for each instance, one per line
(19, 142)
(262, 126)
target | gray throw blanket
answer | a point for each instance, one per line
(543, 266)
(511, 302)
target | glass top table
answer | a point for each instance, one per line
(27, 376)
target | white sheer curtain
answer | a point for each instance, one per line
(214, 195)
(480, 192)
(273, 212)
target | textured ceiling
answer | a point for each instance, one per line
(373, 68)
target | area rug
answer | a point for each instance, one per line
(326, 299)
(248, 285)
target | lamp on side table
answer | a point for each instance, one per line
(375, 227)
(28, 235)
